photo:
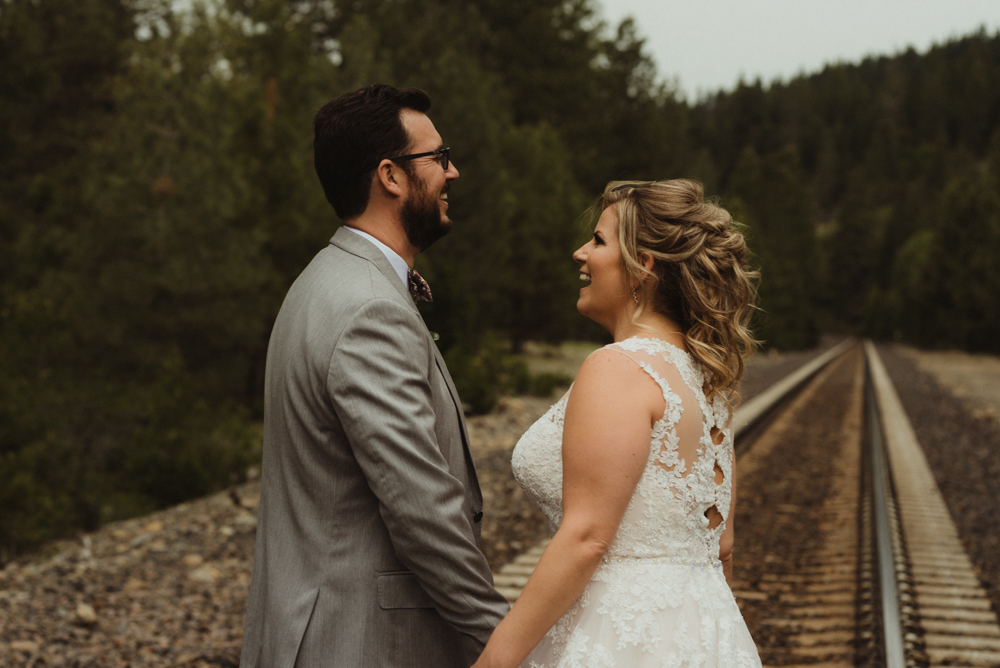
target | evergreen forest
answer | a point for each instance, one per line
(157, 199)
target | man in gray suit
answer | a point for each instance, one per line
(368, 539)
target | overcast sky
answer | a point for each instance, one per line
(708, 44)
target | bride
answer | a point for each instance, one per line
(634, 466)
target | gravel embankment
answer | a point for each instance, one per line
(169, 589)
(963, 451)
(511, 523)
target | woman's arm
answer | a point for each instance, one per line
(606, 441)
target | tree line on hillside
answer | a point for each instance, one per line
(157, 199)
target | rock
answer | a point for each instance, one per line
(85, 553)
(206, 573)
(85, 614)
(154, 527)
(135, 584)
(193, 560)
(143, 538)
(24, 646)
(227, 531)
(988, 413)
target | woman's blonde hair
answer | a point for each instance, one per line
(700, 276)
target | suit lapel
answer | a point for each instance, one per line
(355, 244)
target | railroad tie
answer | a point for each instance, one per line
(818, 601)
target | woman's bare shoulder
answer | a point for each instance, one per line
(611, 380)
(606, 363)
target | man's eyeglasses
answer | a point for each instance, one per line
(441, 152)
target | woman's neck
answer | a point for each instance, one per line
(649, 325)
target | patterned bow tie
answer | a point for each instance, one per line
(419, 290)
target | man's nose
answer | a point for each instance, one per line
(452, 172)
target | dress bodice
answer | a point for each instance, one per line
(660, 596)
(689, 469)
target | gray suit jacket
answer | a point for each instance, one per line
(367, 547)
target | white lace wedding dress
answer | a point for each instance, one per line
(659, 597)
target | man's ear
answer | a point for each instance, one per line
(388, 175)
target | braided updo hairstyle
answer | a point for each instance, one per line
(700, 276)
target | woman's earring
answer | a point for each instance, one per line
(635, 294)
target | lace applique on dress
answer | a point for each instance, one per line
(659, 598)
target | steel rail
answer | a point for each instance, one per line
(892, 624)
(944, 610)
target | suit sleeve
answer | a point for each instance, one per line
(378, 381)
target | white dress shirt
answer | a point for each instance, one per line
(398, 263)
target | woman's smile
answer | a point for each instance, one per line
(603, 295)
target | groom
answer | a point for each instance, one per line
(368, 540)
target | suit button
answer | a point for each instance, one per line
(478, 516)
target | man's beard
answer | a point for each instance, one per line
(421, 216)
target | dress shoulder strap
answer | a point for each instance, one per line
(648, 360)
(664, 360)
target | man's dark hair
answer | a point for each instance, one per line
(356, 131)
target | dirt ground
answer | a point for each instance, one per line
(975, 379)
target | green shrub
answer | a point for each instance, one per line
(544, 384)
(478, 390)
(484, 375)
(518, 377)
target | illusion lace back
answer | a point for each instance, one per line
(659, 597)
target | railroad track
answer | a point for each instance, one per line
(846, 553)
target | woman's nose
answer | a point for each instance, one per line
(579, 255)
